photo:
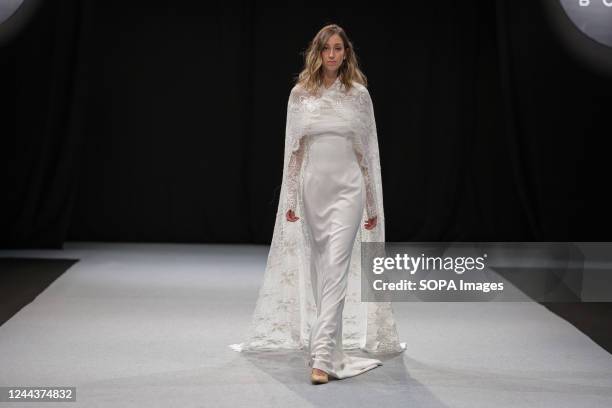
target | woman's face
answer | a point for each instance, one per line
(333, 53)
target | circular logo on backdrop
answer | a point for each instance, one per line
(8, 8)
(592, 17)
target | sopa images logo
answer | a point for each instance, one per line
(592, 17)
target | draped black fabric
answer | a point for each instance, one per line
(43, 85)
(160, 121)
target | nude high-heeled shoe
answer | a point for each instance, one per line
(318, 376)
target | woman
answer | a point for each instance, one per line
(310, 297)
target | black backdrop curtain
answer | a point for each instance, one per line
(162, 121)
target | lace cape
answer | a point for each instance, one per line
(285, 308)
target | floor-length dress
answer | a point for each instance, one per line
(333, 202)
(310, 296)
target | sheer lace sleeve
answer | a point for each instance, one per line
(369, 185)
(293, 176)
(366, 149)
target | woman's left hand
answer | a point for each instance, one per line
(371, 223)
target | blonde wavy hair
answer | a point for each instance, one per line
(311, 77)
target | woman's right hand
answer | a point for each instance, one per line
(291, 216)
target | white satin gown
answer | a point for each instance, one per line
(333, 203)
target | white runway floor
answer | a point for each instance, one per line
(148, 325)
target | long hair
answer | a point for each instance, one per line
(311, 77)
